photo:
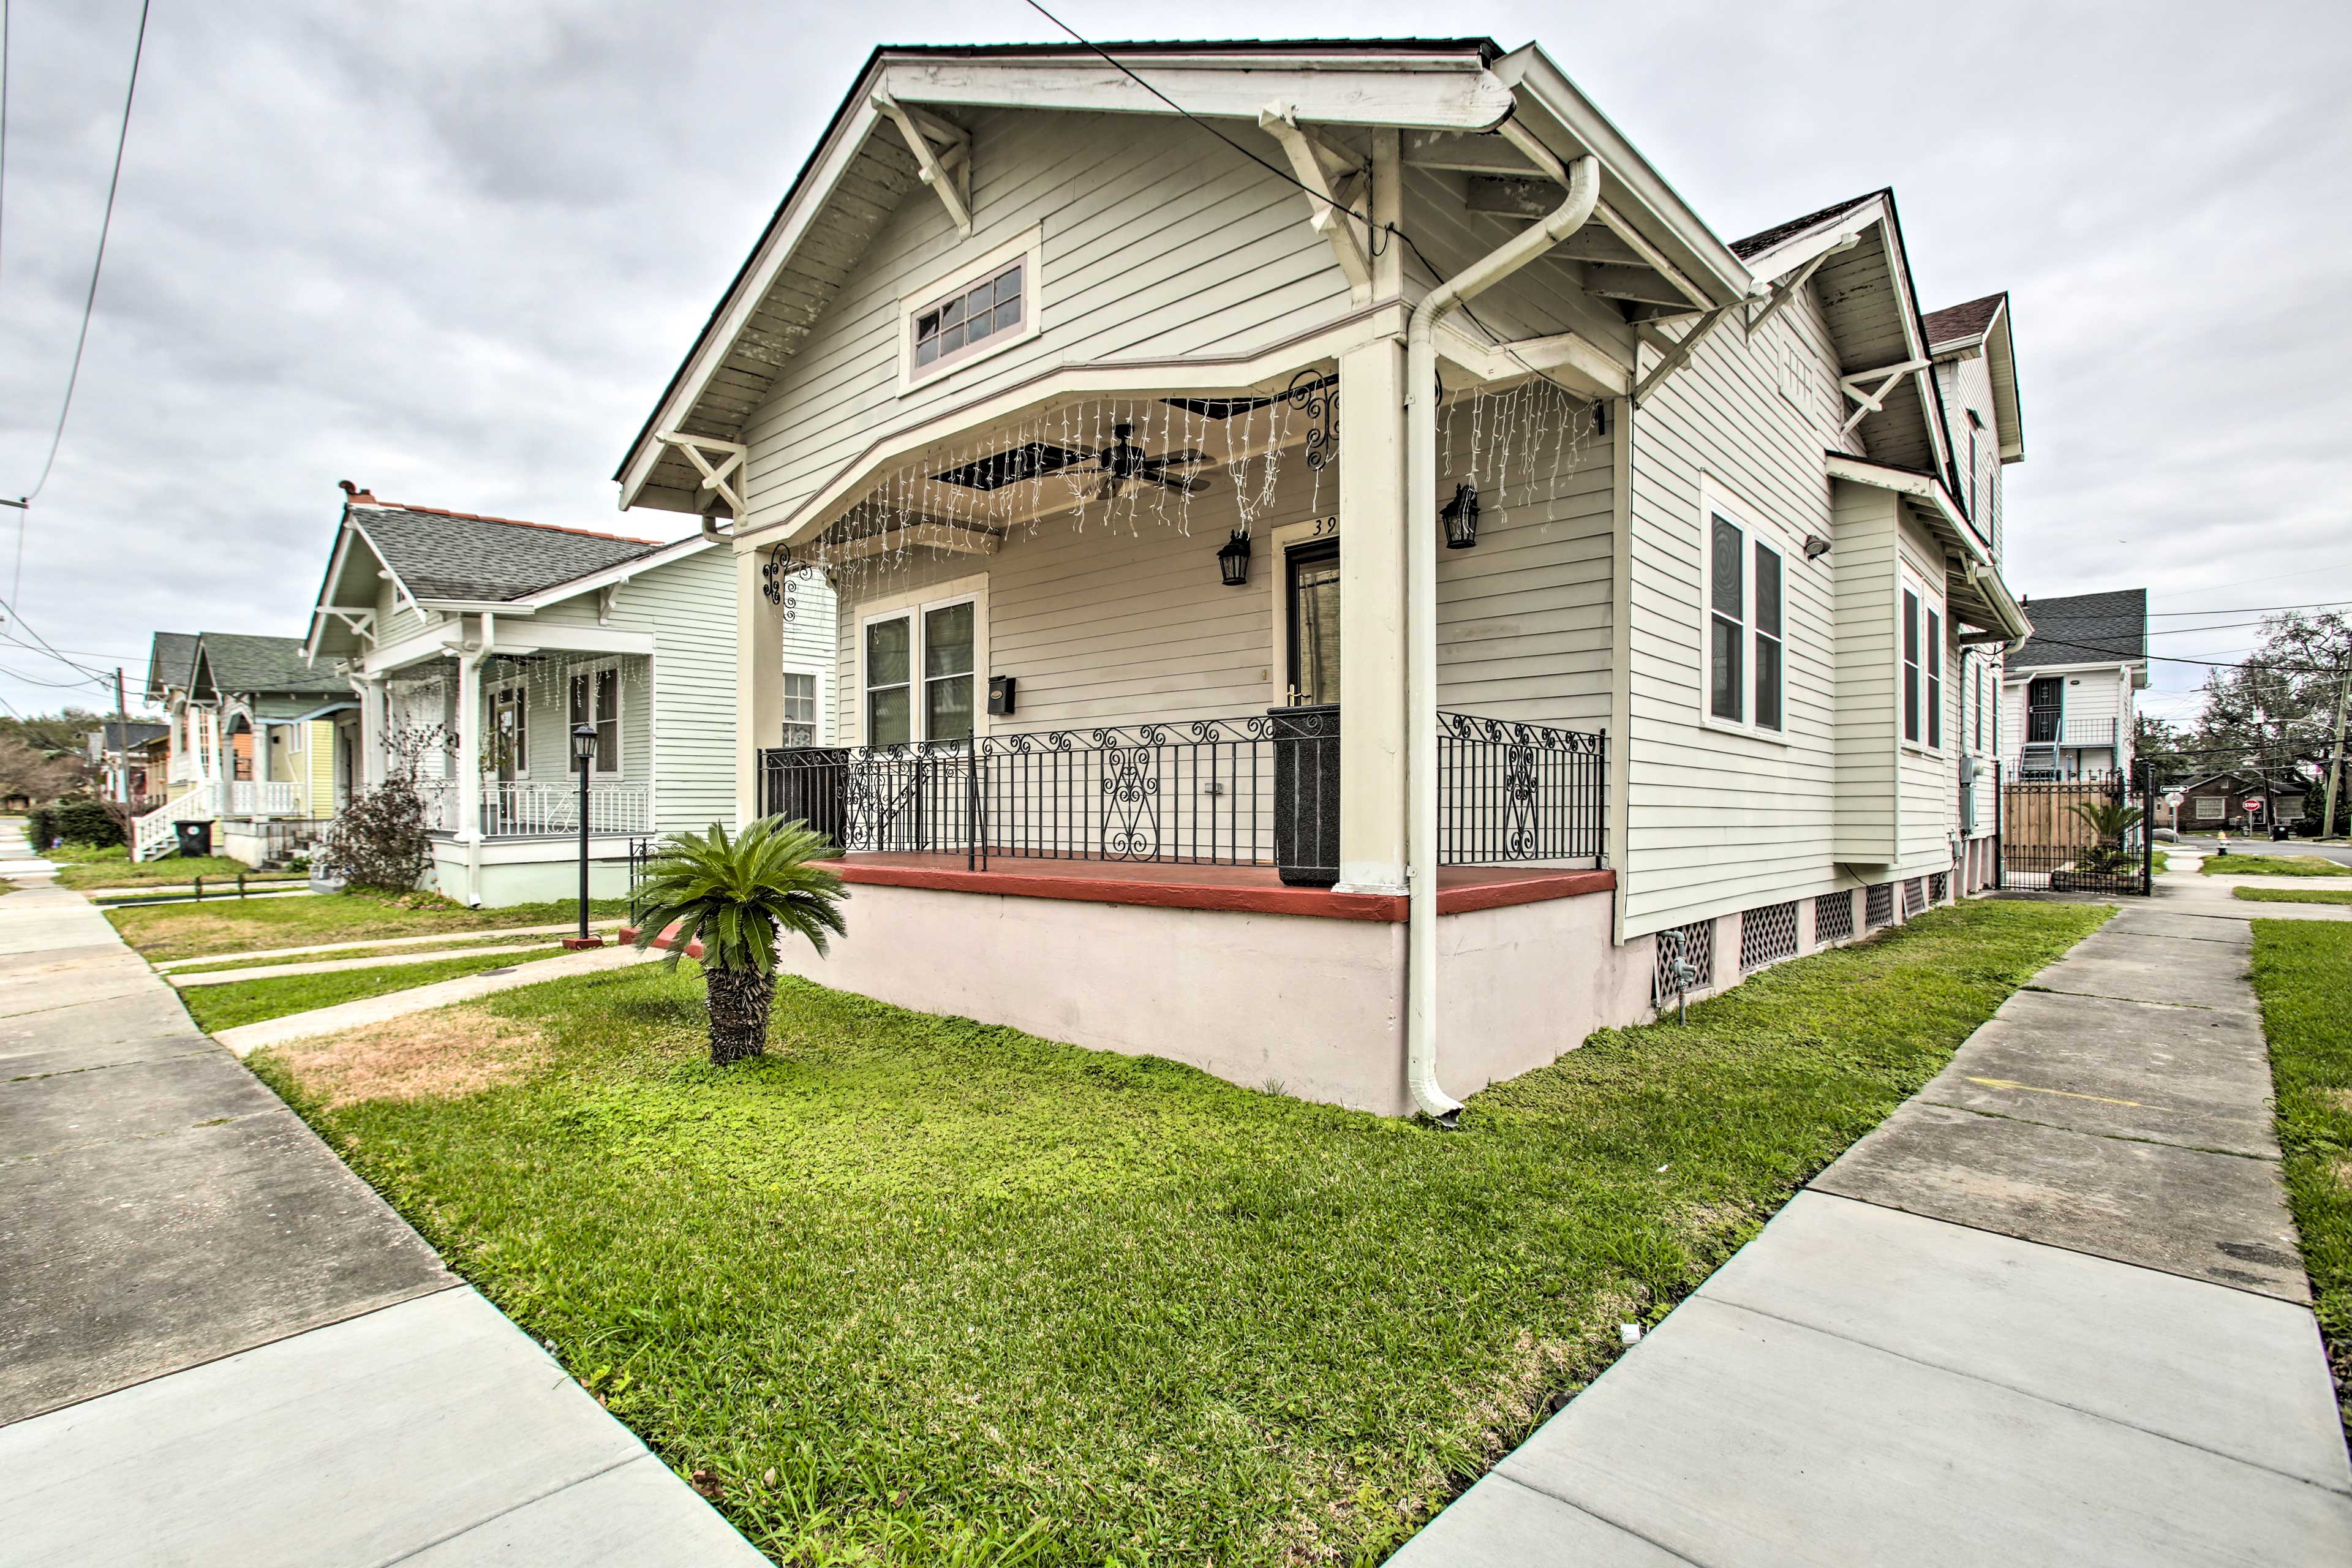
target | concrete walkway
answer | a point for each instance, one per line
(218, 1346)
(481, 934)
(2050, 1312)
(520, 953)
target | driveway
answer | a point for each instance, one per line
(222, 1347)
(2050, 1312)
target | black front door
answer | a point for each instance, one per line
(2046, 698)
(1312, 575)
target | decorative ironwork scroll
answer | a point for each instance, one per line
(1318, 397)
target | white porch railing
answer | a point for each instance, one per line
(274, 798)
(520, 809)
(152, 834)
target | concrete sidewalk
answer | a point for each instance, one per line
(2050, 1312)
(218, 1345)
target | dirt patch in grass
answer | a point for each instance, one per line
(445, 1054)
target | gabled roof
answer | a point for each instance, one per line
(1983, 325)
(466, 558)
(2251, 778)
(861, 170)
(1872, 316)
(169, 660)
(2085, 628)
(241, 664)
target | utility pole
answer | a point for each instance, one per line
(2336, 762)
(122, 746)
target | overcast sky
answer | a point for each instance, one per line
(454, 252)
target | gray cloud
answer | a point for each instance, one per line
(455, 252)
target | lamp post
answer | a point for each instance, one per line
(583, 758)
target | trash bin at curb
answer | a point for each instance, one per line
(195, 838)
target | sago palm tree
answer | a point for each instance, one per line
(739, 897)
(2112, 821)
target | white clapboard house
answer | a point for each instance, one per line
(1352, 583)
(2071, 695)
(476, 645)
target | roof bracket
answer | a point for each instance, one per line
(606, 597)
(730, 453)
(1786, 289)
(1678, 353)
(1874, 400)
(946, 168)
(1315, 163)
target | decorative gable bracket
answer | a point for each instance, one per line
(1872, 399)
(360, 621)
(942, 156)
(1318, 163)
(699, 450)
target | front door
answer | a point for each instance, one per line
(1311, 574)
(2045, 699)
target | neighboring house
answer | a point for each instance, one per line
(145, 743)
(1637, 606)
(249, 725)
(2241, 801)
(477, 645)
(2067, 697)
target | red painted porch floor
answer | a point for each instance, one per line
(1249, 889)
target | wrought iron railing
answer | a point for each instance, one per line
(1201, 792)
(1508, 792)
(1256, 791)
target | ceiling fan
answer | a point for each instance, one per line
(1123, 461)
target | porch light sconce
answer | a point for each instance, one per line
(1461, 518)
(1234, 559)
(1815, 547)
(584, 757)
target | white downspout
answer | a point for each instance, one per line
(1421, 482)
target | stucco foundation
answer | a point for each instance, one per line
(1311, 1005)
(497, 873)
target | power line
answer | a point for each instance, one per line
(2251, 609)
(90, 303)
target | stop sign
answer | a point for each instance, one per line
(2254, 803)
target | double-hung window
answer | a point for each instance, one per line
(596, 699)
(920, 666)
(1910, 666)
(800, 708)
(1746, 664)
(1935, 682)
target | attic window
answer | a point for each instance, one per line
(987, 305)
(965, 319)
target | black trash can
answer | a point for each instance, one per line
(1307, 793)
(195, 838)
(2278, 833)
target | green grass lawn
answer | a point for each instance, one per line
(2295, 895)
(913, 1289)
(457, 939)
(115, 868)
(189, 931)
(2303, 973)
(2272, 865)
(218, 1008)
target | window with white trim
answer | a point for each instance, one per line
(1910, 666)
(1935, 682)
(949, 328)
(596, 699)
(1747, 663)
(920, 664)
(800, 708)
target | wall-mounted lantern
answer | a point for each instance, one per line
(1461, 518)
(1815, 547)
(1234, 559)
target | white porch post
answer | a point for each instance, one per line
(1371, 619)
(469, 737)
(758, 681)
(370, 770)
(224, 761)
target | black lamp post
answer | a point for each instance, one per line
(1232, 560)
(1461, 518)
(584, 757)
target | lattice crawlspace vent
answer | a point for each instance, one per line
(1914, 897)
(1939, 886)
(1878, 908)
(1767, 934)
(1695, 943)
(1832, 917)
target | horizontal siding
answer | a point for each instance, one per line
(1155, 245)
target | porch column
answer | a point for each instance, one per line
(1371, 619)
(469, 743)
(224, 761)
(369, 768)
(759, 679)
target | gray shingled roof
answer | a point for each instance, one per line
(1962, 323)
(1756, 244)
(2087, 628)
(458, 555)
(169, 660)
(239, 662)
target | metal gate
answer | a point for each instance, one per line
(2073, 835)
